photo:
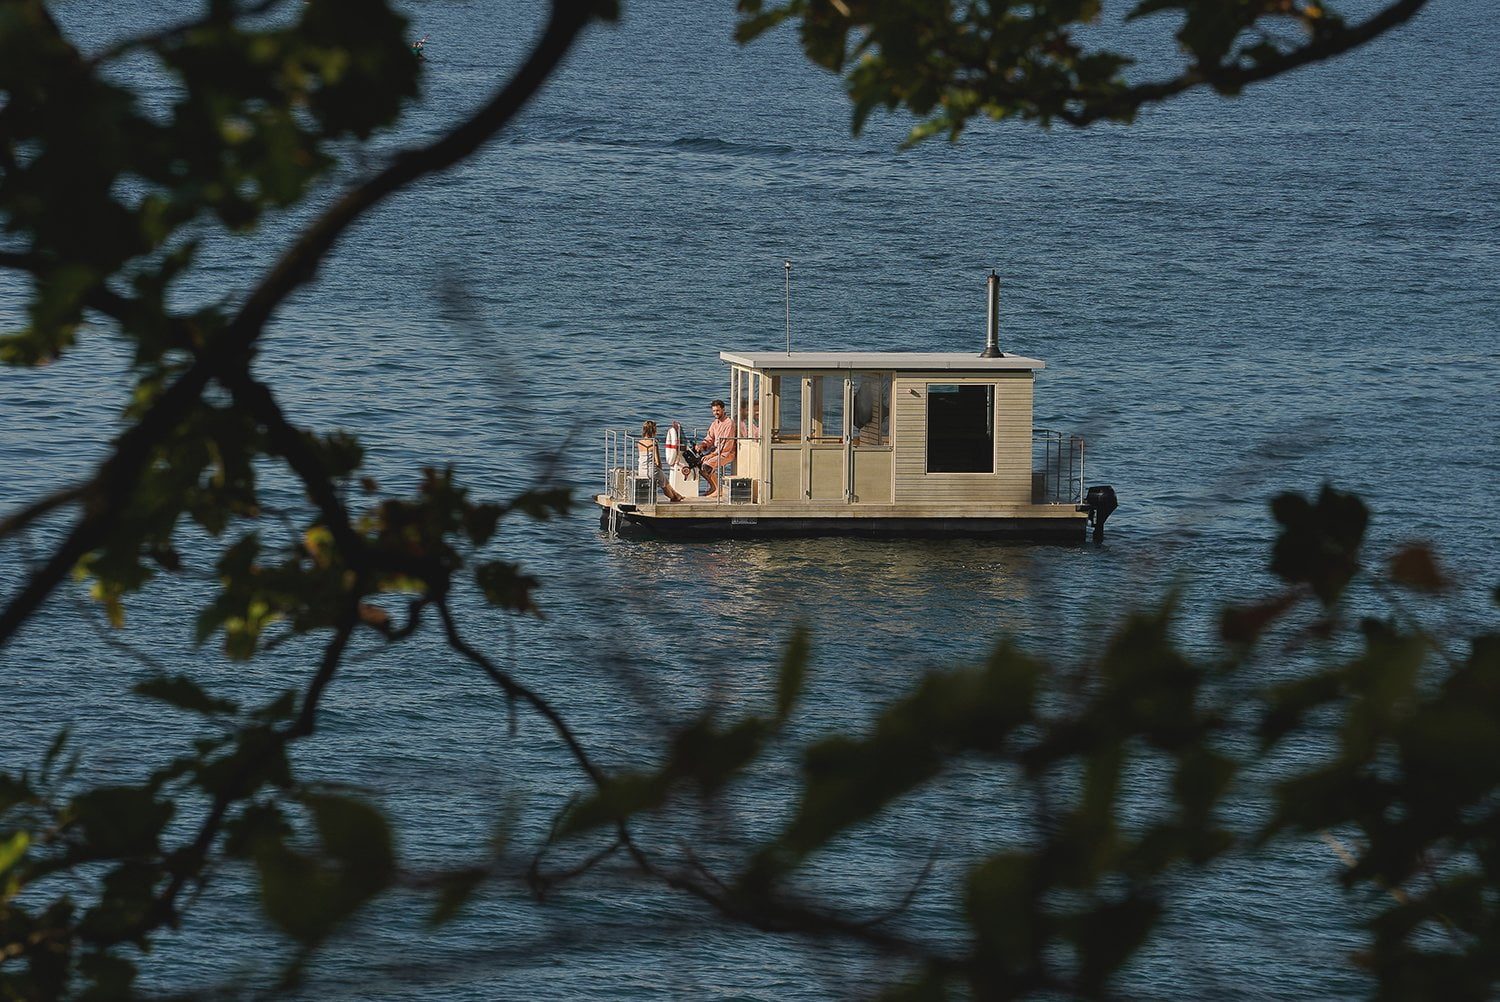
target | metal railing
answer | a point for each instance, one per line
(620, 462)
(619, 447)
(1056, 467)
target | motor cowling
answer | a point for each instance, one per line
(1101, 502)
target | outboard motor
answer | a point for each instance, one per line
(1101, 503)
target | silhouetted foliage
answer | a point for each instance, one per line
(949, 62)
(101, 203)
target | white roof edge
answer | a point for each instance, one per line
(915, 361)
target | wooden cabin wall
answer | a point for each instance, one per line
(749, 460)
(785, 475)
(1011, 481)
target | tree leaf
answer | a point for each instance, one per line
(183, 693)
(120, 821)
(454, 891)
(792, 675)
(353, 832)
(12, 848)
(1245, 624)
(1319, 543)
(1415, 566)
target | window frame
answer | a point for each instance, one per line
(778, 385)
(817, 383)
(993, 406)
(888, 408)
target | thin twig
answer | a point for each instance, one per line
(18, 520)
(516, 690)
(109, 638)
(216, 16)
(1351, 861)
(303, 726)
(1412, 622)
(906, 899)
(543, 883)
(1234, 78)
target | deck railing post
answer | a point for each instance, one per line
(1060, 494)
(1082, 458)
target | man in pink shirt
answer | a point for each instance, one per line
(717, 447)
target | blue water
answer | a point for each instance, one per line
(1233, 298)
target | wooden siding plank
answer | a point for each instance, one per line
(1011, 481)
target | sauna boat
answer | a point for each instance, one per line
(871, 443)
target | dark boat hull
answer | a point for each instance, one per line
(629, 522)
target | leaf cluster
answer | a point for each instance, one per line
(1412, 779)
(104, 202)
(106, 196)
(948, 62)
(102, 189)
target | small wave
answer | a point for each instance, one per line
(707, 144)
(587, 136)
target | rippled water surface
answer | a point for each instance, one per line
(1232, 299)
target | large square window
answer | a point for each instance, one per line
(960, 428)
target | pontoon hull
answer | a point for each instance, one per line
(754, 522)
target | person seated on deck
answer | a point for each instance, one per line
(648, 460)
(718, 447)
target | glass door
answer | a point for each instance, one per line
(787, 442)
(871, 458)
(826, 455)
(745, 392)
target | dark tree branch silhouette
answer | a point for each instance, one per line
(1059, 914)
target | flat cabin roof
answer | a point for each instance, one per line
(909, 361)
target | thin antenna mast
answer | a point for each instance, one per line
(788, 266)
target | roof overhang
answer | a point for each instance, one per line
(905, 361)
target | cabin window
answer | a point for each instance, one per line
(960, 428)
(827, 409)
(787, 418)
(736, 387)
(871, 421)
(747, 405)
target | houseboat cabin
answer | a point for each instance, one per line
(875, 443)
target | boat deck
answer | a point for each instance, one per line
(711, 517)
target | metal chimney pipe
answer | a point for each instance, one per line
(992, 328)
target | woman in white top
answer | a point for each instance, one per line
(648, 459)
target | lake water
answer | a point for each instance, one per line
(1232, 298)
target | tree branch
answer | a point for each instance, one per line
(515, 690)
(18, 520)
(304, 725)
(770, 915)
(293, 445)
(1234, 78)
(20, 261)
(118, 475)
(300, 263)
(307, 717)
(767, 916)
(215, 16)
(542, 883)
